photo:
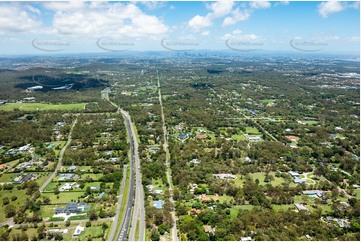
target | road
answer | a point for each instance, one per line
(61, 154)
(136, 189)
(117, 211)
(124, 228)
(168, 172)
(138, 210)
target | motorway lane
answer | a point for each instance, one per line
(123, 232)
(139, 210)
(120, 200)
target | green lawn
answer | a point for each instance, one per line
(260, 176)
(21, 198)
(252, 131)
(221, 199)
(158, 184)
(64, 197)
(42, 106)
(234, 210)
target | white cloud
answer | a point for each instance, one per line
(17, 18)
(218, 10)
(198, 22)
(237, 16)
(237, 34)
(326, 8)
(330, 7)
(106, 19)
(153, 5)
(205, 33)
(260, 4)
(64, 6)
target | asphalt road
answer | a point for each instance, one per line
(117, 211)
(138, 210)
(136, 189)
(123, 231)
(61, 154)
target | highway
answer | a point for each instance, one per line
(138, 217)
(136, 193)
(61, 154)
(113, 229)
(123, 231)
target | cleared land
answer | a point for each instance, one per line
(42, 106)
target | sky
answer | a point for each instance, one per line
(47, 27)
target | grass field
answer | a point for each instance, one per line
(221, 199)
(65, 197)
(21, 198)
(260, 176)
(252, 131)
(42, 106)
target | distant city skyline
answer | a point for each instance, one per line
(112, 26)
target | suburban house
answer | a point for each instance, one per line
(224, 176)
(73, 207)
(313, 193)
(158, 204)
(204, 198)
(195, 161)
(292, 137)
(67, 186)
(78, 230)
(300, 207)
(23, 178)
(296, 178)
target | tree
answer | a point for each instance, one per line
(67, 223)
(6, 201)
(10, 211)
(155, 235)
(93, 215)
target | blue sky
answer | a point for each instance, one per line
(80, 27)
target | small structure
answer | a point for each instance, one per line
(300, 207)
(67, 186)
(194, 211)
(29, 99)
(292, 137)
(101, 195)
(67, 177)
(195, 161)
(246, 239)
(72, 168)
(78, 230)
(73, 207)
(24, 148)
(158, 192)
(23, 178)
(183, 136)
(208, 229)
(150, 187)
(313, 193)
(204, 198)
(201, 136)
(224, 176)
(158, 204)
(62, 231)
